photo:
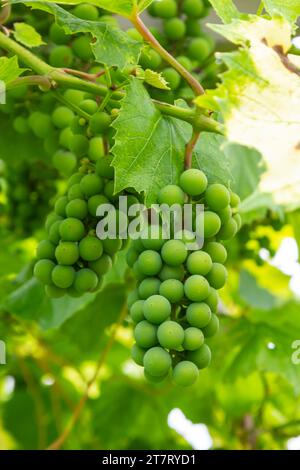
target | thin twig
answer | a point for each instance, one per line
(190, 148)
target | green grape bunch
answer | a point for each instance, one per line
(174, 308)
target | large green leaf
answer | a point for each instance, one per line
(255, 295)
(147, 144)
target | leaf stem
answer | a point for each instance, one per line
(148, 36)
(39, 80)
(190, 148)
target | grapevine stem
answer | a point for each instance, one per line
(148, 36)
(39, 80)
(190, 148)
(87, 76)
(58, 77)
(57, 444)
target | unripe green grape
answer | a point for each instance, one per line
(112, 246)
(99, 123)
(60, 206)
(75, 192)
(193, 28)
(174, 252)
(51, 219)
(238, 219)
(234, 199)
(212, 328)
(217, 196)
(40, 124)
(96, 201)
(134, 34)
(71, 229)
(165, 8)
(89, 106)
(228, 230)
(156, 309)
(102, 265)
(57, 35)
(86, 11)
(172, 77)
(193, 339)
(198, 314)
(54, 234)
(155, 380)
(62, 117)
(79, 145)
(131, 257)
(91, 185)
(63, 276)
(196, 288)
(157, 361)
(74, 179)
(67, 253)
(45, 250)
(174, 29)
(148, 287)
(43, 270)
(185, 373)
(152, 238)
(55, 292)
(149, 263)
(201, 357)
(217, 276)
(193, 182)
(74, 96)
(138, 354)
(61, 56)
(136, 311)
(170, 335)
(171, 194)
(20, 125)
(86, 280)
(225, 214)
(132, 297)
(109, 191)
(212, 300)
(172, 289)
(193, 8)
(96, 150)
(104, 168)
(77, 208)
(185, 62)
(210, 222)
(199, 49)
(216, 251)
(81, 47)
(64, 162)
(90, 248)
(145, 334)
(150, 59)
(199, 262)
(171, 272)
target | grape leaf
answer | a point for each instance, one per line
(146, 143)
(154, 79)
(27, 35)
(289, 9)
(259, 99)
(255, 295)
(225, 9)
(112, 46)
(9, 69)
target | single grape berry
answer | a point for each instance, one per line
(228, 230)
(43, 270)
(85, 11)
(62, 117)
(67, 253)
(193, 182)
(63, 276)
(157, 309)
(149, 263)
(95, 202)
(193, 8)
(199, 262)
(216, 251)
(75, 192)
(96, 150)
(208, 224)
(174, 29)
(212, 328)
(102, 265)
(149, 286)
(86, 280)
(185, 373)
(45, 250)
(193, 339)
(174, 252)
(171, 194)
(99, 123)
(81, 47)
(234, 199)
(89, 106)
(103, 166)
(165, 8)
(198, 314)
(136, 311)
(172, 289)
(201, 357)
(60, 206)
(77, 208)
(217, 196)
(170, 335)
(61, 56)
(212, 300)
(172, 77)
(171, 272)
(54, 232)
(196, 288)
(90, 248)
(199, 49)
(152, 238)
(145, 334)
(157, 361)
(138, 354)
(71, 229)
(111, 246)
(217, 276)
(65, 162)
